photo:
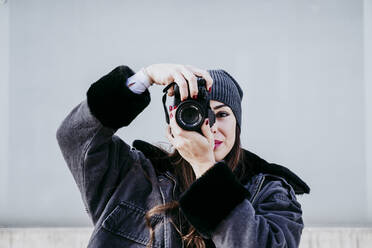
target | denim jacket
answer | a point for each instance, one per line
(252, 206)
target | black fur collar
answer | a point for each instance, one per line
(252, 165)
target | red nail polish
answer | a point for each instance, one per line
(210, 89)
(171, 115)
(206, 123)
(175, 107)
(170, 107)
(194, 97)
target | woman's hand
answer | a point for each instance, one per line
(164, 74)
(192, 146)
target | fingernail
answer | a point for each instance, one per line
(194, 97)
(170, 107)
(171, 115)
(210, 89)
(175, 106)
(206, 123)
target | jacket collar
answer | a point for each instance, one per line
(251, 166)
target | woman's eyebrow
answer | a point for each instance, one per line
(220, 106)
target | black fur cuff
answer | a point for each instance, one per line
(112, 102)
(211, 198)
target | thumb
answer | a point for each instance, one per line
(206, 130)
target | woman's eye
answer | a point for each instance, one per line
(222, 114)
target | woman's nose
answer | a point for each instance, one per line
(214, 128)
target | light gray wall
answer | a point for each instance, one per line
(300, 63)
(367, 14)
(4, 104)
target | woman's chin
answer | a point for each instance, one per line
(217, 156)
(219, 153)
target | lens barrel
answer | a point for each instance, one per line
(190, 115)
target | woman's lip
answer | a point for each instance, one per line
(216, 145)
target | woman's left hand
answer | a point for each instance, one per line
(192, 146)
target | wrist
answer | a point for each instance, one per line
(138, 83)
(147, 75)
(200, 169)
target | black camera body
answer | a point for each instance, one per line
(191, 113)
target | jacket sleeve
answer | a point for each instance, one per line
(95, 156)
(219, 207)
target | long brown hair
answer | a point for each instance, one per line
(185, 177)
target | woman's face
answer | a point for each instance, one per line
(223, 129)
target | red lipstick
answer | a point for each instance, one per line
(217, 143)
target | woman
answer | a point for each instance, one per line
(209, 192)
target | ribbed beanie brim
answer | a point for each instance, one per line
(226, 89)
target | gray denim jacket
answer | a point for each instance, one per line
(119, 183)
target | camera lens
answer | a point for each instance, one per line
(189, 115)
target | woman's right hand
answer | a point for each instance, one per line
(164, 74)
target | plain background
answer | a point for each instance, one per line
(304, 66)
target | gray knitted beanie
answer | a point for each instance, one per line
(225, 89)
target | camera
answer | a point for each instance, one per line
(191, 113)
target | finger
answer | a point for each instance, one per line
(202, 73)
(171, 138)
(206, 130)
(169, 134)
(182, 84)
(176, 130)
(180, 135)
(172, 110)
(193, 84)
(175, 140)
